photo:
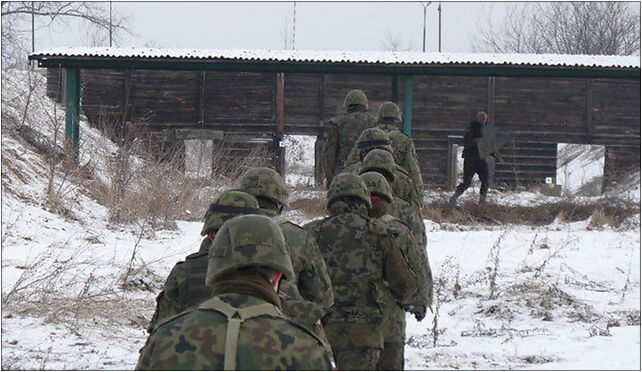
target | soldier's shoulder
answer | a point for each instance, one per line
(170, 321)
(194, 256)
(395, 223)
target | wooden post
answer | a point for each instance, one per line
(319, 144)
(280, 124)
(451, 165)
(407, 106)
(72, 110)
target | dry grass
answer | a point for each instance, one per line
(611, 212)
(309, 207)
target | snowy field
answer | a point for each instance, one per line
(78, 290)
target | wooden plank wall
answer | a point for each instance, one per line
(538, 112)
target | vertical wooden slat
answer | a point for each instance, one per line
(200, 95)
(407, 106)
(491, 99)
(589, 110)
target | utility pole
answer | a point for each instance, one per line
(110, 26)
(439, 9)
(294, 28)
(33, 27)
(425, 5)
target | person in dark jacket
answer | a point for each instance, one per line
(473, 163)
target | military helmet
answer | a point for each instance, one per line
(246, 241)
(374, 138)
(377, 185)
(266, 183)
(228, 205)
(355, 97)
(348, 184)
(389, 110)
(380, 161)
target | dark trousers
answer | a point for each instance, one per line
(473, 165)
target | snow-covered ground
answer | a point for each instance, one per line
(78, 291)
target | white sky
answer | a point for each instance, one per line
(262, 25)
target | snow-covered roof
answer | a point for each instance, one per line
(343, 57)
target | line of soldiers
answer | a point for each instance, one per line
(264, 293)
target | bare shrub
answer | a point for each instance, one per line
(599, 218)
(493, 268)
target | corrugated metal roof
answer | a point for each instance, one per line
(343, 57)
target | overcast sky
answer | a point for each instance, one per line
(262, 25)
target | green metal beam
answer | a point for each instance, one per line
(72, 110)
(324, 67)
(407, 106)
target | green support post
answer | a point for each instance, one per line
(407, 106)
(72, 109)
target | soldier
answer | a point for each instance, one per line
(382, 162)
(311, 281)
(361, 254)
(473, 163)
(185, 286)
(370, 139)
(344, 130)
(394, 317)
(402, 207)
(241, 327)
(389, 119)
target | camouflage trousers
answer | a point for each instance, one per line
(391, 357)
(356, 358)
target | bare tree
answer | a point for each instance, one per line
(596, 28)
(16, 25)
(395, 43)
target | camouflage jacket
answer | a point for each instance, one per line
(267, 340)
(406, 156)
(418, 259)
(410, 215)
(343, 132)
(184, 287)
(361, 255)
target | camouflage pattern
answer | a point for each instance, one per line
(377, 185)
(348, 185)
(195, 340)
(408, 216)
(228, 205)
(355, 97)
(370, 139)
(185, 285)
(250, 240)
(307, 296)
(403, 147)
(403, 206)
(361, 255)
(343, 131)
(392, 356)
(389, 110)
(265, 183)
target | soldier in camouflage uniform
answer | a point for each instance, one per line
(241, 327)
(361, 255)
(185, 286)
(394, 317)
(370, 139)
(389, 119)
(311, 281)
(343, 131)
(403, 206)
(382, 162)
